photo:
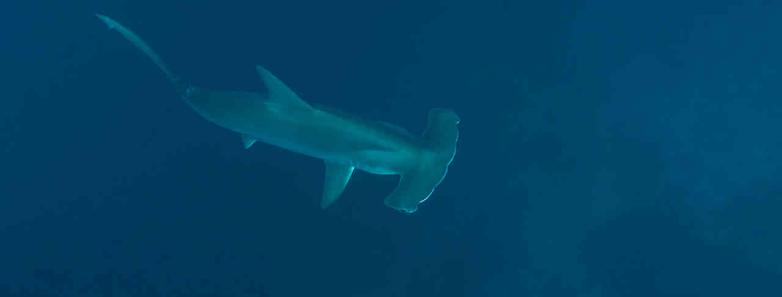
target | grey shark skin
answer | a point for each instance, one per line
(279, 117)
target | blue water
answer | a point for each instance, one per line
(608, 148)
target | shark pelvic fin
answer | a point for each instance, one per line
(248, 141)
(278, 91)
(337, 177)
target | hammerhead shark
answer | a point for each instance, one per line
(280, 117)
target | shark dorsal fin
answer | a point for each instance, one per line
(278, 91)
(337, 177)
(248, 141)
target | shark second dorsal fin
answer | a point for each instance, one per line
(337, 177)
(248, 141)
(278, 91)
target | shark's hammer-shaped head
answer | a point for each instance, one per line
(442, 132)
(418, 183)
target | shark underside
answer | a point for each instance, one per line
(280, 117)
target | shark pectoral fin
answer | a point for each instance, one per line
(278, 91)
(337, 177)
(248, 141)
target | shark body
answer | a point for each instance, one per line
(280, 117)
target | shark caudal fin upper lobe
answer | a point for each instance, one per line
(418, 183)
(139, 43)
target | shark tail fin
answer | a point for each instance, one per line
(418, 183)
(180, 86)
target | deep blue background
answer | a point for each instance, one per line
(609, 148)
